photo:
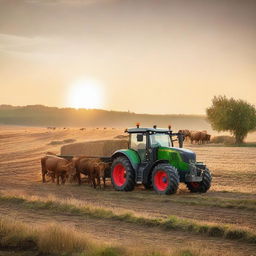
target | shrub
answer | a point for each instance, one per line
(224, 139)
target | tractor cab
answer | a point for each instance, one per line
(146, 141)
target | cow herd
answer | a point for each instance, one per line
(63, 169)
(199, 137)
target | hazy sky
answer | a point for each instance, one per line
(146, 56)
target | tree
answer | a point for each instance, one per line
(236, 116)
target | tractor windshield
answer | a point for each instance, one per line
(160, 140)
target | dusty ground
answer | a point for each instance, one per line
(234, 177)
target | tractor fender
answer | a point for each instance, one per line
(132, 156)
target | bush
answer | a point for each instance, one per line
(224, 139)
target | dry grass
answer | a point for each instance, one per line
(172, 222)
(60, 142)
(54, 239)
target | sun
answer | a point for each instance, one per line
(86, 93)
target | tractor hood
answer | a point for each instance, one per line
(186, 154)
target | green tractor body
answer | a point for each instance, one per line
(152, 160)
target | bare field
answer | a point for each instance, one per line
(230, 202)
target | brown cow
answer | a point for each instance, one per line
(93, 167)
(195, 136)
(203, 137)
(100, 172)
(83, 164)
(208, 138)
(57, 167)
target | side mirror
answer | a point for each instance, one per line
(139, 137)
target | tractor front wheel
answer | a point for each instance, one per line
(122, 174)
(165, 179)
(203, 186)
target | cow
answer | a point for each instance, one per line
(195, 136)
(203, 137)
(100, 170)
(94, 168)
(57, 167)
(83, 165)
(199, 137)
(208, 138)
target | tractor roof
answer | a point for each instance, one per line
(144, 130)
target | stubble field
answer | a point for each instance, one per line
(220, 222)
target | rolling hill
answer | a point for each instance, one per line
(39, 115)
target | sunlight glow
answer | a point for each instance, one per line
(86, 93)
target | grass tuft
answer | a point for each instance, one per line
(216, 231)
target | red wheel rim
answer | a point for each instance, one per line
(119, 175)
(161, 180)
(195, 184)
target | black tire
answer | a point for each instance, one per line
(165, 179)
(203, 186)
(127, 182)
(148, 186)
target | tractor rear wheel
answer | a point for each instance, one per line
(165, 179)
(122, 174)
(203, 186)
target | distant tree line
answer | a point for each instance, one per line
(38, 115)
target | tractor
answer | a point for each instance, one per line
(152, 160)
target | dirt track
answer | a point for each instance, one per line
(20, 151)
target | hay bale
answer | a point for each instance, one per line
(99, 148)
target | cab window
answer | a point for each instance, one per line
(138, 143)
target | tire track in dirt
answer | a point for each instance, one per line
(127, 234)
